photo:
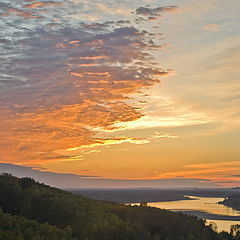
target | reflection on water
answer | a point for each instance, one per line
(223, 225)
(205, 204)
(202, 205)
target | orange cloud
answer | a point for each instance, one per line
(73, 85)
(21, 13)
(41, 4)
(221, 173)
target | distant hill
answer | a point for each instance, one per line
(151, 195)
(45, 213)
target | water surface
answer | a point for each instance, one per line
(204, 207)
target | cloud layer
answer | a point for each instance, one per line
(60, 82)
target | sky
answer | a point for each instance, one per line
(121, 93)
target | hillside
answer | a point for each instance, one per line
(19, 228)
(63, 215)
(232, 201)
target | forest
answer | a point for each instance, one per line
(34, 211)
(232, 201)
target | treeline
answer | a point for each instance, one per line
(43, 213)
(20, 228)
(232, 201)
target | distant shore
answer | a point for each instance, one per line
(131, 196)
(151, 195)
(232, 202)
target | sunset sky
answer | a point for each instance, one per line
(121, 93)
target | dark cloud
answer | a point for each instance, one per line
(154, 13)
(146, 11)
(229, 182)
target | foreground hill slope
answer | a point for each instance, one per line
(64, 215)
(20, 228)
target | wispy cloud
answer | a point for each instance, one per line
(41, 4)
(148, 11)
(85, 179)
(154, 13)
(211, 27)
(163, 135)
(220, 173)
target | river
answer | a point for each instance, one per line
(204, 207)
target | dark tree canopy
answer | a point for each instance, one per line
(43, 212)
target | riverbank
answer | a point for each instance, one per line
(232, 201)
